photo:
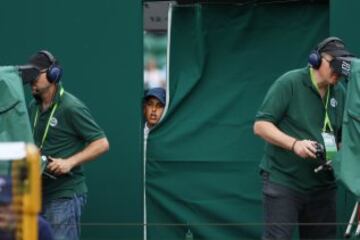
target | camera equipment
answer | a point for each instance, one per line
(29, 73)
(44, 164)
(341, 66)
(320, 152)
(321, 156)
(45, 161)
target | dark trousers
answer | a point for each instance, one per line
(285, 209)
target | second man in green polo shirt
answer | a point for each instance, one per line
(303, 108)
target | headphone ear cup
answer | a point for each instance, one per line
(54, 74)
(314, 60)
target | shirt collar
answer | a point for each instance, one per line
(307, 80)
(58, 97)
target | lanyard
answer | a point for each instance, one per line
(326, 119)
(48, 123)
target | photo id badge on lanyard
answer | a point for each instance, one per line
(330, 144)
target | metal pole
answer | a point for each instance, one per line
(351, 221)
(357, 232)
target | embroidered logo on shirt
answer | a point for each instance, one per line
(333, 102)
(53, 122)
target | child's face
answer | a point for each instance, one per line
(153, 110)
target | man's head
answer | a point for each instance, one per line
(331, 59)
(49, 72)
(154, 103)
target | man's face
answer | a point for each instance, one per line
(40, 85)
(326, 71)
(153, 110)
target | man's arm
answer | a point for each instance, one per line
(270, 133)
(60, 166)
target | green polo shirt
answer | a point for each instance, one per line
(71, 128)
(294, 105)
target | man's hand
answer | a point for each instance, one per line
(59, 166)
(305, 148)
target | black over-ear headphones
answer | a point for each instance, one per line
(54, 72)
(315, 55)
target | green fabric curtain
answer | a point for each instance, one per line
(14, 118)
(202, 159)
(347, 161)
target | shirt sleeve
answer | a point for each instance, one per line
(276, 101)
(84, 124)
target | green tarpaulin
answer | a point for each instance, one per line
(347, 161)
(202, 159)
(14, 118)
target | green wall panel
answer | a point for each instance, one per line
(344, 16)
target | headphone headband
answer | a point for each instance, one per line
(51, 57)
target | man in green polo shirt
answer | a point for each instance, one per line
(302, 108)
(67, 136)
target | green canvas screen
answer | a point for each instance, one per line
(202, 161)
